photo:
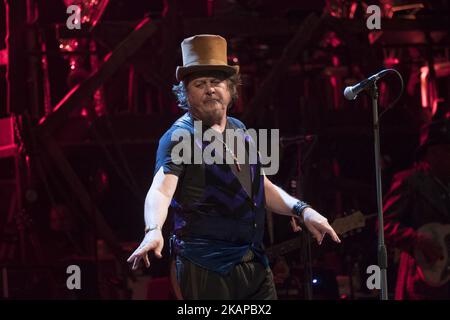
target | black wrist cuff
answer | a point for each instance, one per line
(299, 207)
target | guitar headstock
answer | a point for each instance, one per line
(353, 221)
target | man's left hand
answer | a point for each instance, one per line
(317, 224)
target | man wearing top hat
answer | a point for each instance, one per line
(219, 209)
(416, 208)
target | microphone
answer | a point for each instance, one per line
(352, 92)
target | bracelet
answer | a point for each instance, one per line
(299, 207)
(151, 228)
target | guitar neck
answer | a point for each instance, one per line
(283, 248)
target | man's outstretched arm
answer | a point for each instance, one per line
(279, 201)
(155, 213)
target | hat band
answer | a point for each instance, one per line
(206, 62)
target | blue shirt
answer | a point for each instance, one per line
(219, 212)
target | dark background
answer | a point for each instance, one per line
(112, 152)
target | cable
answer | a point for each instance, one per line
(398, 96)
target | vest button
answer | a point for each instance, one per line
(255, 225)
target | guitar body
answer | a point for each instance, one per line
(438, 273)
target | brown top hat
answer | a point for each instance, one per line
(204, 52)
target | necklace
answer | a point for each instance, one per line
(235, 159)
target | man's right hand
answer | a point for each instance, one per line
(153, 241)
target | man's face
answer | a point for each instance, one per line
(208, 96)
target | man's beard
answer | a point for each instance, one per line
(209, 117)
(213, 117)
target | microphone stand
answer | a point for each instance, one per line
(382, 253)
(306, 238)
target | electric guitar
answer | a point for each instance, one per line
(342, 226)
(438, 273)
(354, 221)
(282, 248)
